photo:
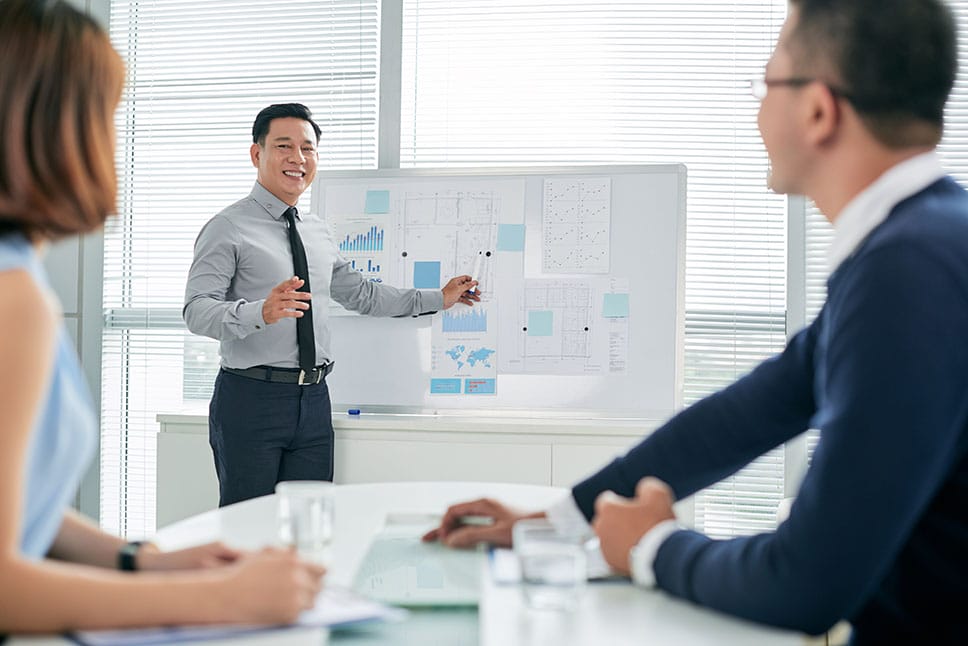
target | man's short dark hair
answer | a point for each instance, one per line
(260, 128)
(894, 60)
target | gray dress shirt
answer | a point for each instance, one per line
(243, 252)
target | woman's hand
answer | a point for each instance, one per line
(271, 586)
(210, 555)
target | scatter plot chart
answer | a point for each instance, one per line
(576, 225)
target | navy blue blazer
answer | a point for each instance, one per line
(878, 533)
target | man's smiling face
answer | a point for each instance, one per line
(287, 158)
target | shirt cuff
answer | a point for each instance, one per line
(566, 517)
(250, 316)
(431, 300)
(642, 556)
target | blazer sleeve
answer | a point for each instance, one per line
(720, 434)
(892, 416)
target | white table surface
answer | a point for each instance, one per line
(612, 614)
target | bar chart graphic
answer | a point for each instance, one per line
(469, 320)
(371, 240)
(369, 268)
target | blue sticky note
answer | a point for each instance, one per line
(615, 306)
(541, 323)
(510, 237)
(377, 202)
(445, 386)
(426, 274)
(480, 386)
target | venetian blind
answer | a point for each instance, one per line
(954, 145)
(523, 82)
(198, 72)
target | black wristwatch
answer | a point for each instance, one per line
(127, 554)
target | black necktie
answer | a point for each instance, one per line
(304, 325)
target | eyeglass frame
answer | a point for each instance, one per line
(760, 86)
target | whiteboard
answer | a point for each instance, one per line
(385, 364)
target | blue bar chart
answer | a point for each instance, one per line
(372, 240)
(472, 320)
(370, 268)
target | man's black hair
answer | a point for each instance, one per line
(894, 60)
(260, 128)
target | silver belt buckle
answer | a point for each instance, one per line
(302, 377)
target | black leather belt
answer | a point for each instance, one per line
(284, 375)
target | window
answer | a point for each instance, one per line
(497, 82)
(573, 82)
(198, 72)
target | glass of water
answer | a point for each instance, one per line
(305, 513)
(553, 564)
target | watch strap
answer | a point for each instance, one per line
(127, 555)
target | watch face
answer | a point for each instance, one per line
(127, 554)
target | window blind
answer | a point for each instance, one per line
(572, 82)
(954, 145)
(198, 73)
(483, 83)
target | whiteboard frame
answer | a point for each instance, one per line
(530, 171)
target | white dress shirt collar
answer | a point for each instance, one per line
(872, 205)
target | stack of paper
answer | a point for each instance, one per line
(335, 607)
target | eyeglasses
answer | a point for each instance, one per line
(759, 87)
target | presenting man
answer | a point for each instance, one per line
(852, 109)
(262, 277)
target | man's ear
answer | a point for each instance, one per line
(822, 114)
(254, 152)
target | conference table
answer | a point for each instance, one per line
(612, 613)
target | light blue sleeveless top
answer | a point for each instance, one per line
(63, 440)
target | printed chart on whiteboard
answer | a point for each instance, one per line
(567, 327)
(580, 275)
(577, 225)
(408, 235)
(464, 350)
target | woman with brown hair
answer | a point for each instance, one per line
(60, 82)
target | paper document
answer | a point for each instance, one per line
(335, 607)
(402, 570)
(575, 326)
(576, 225)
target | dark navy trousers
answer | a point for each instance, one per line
(264, 432)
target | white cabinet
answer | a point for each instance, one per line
(360, 460)
(390, 448)
(186, 473)
(571, 462)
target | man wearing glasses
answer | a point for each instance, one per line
(852, 109)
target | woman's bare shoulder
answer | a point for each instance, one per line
(27, 312)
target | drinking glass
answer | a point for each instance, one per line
(306, 518)
(553, 565)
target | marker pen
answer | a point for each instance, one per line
(476, 274)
